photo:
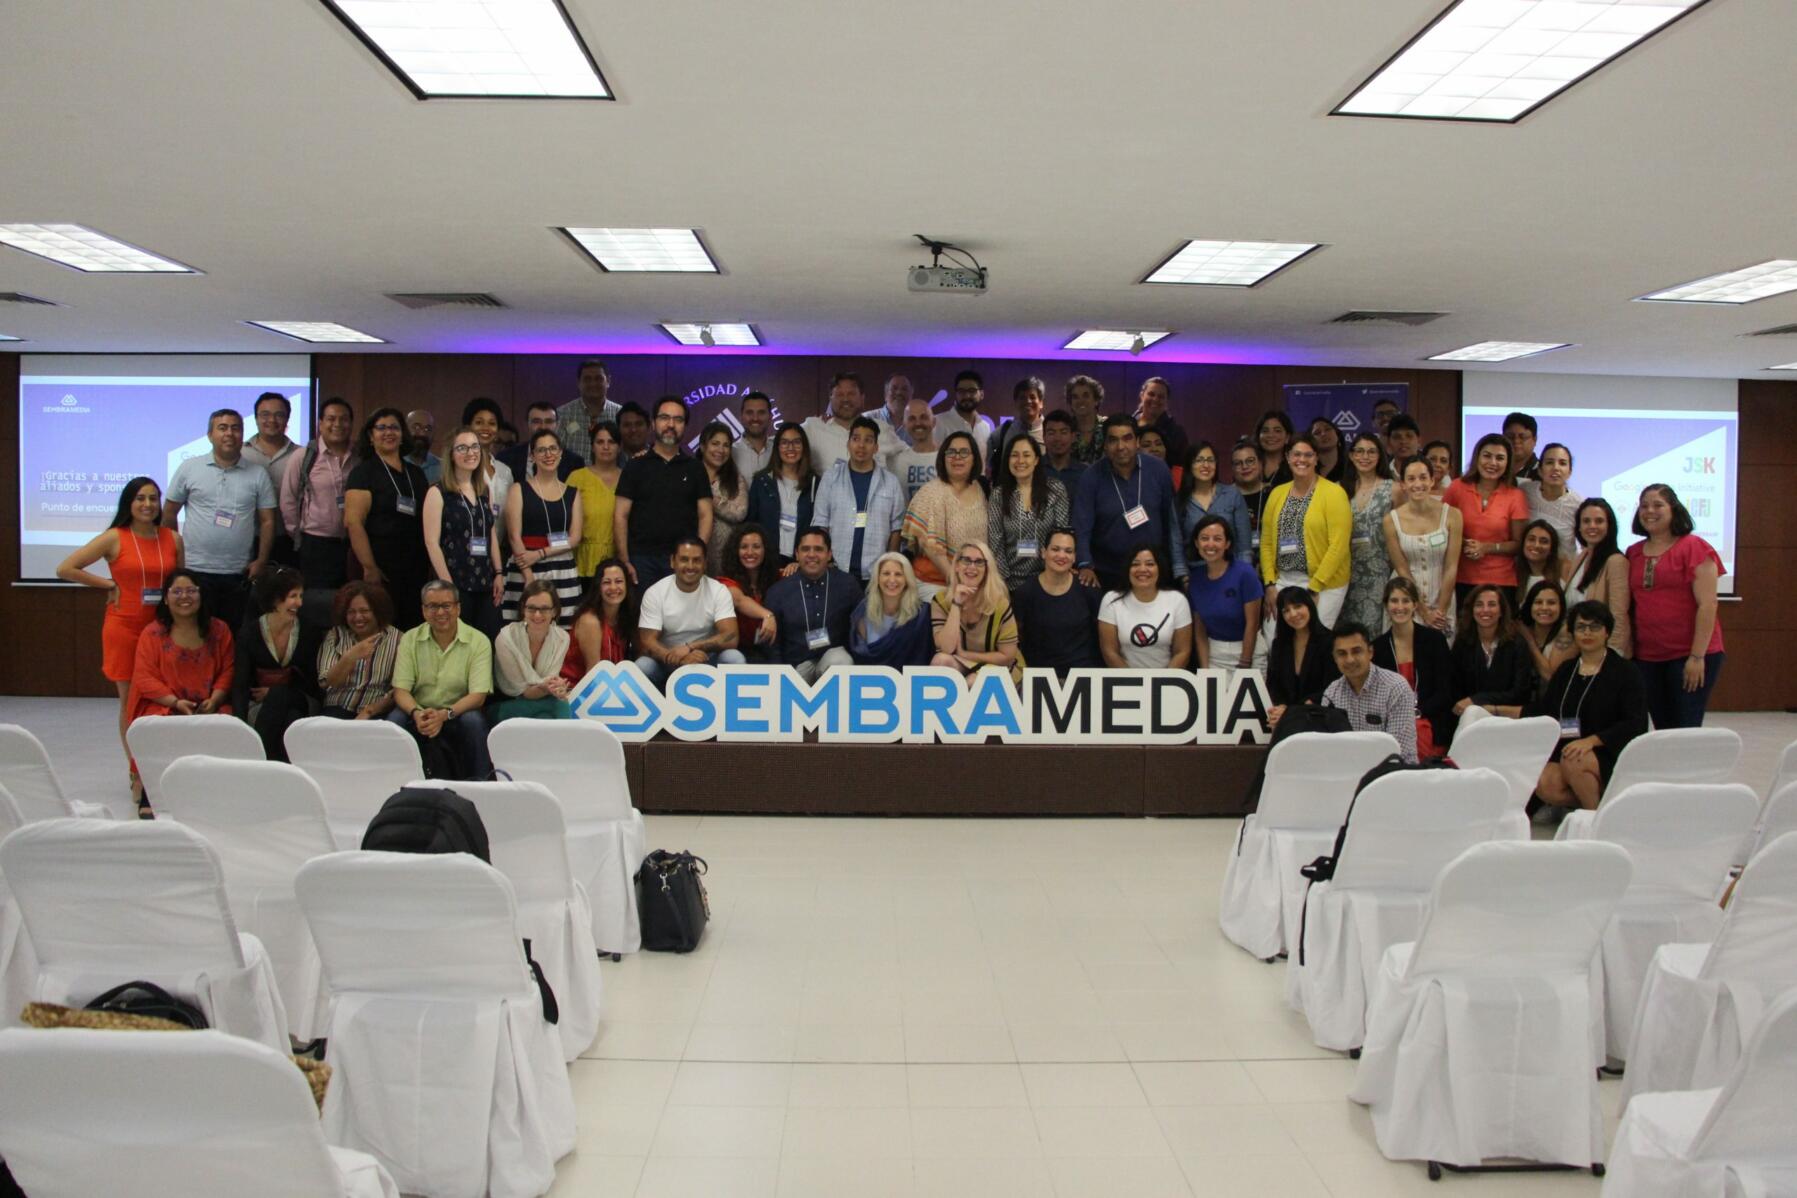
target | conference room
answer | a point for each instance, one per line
(617, 600)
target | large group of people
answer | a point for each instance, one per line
(359, 576)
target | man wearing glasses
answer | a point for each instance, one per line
(965, 416)
(663, 497)
(442, 676)
(539, 417)
(1122, 502)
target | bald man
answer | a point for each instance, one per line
(892, 412)
(421, 428)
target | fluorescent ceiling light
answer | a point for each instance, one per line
(5, 337)
(87, 250)
(1497, 351)
(1499, 60)
(493, 49)
(1736, 286)
(1228, 263)
(319, 332)
(1786, 366)
(721, 332)
(1117, 340)
(645, 249)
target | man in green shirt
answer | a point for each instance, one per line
(441, 679)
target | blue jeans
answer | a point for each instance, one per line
(1668, 702)
(657, 673)
(650, 569)
(466, 736)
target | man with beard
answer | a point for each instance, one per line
(664, 497)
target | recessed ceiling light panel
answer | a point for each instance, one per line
(5, 337)
(1499, 60)
(1786, 366)
(675, 250)
(1734, 287)
(86, 249)
(1228, 263)
(722, 333)
(319, 332)
(1116, 340)
(485, 49)
(1497, 351)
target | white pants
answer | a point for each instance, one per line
(833, 657)
(1226, 655)
(1329, 610)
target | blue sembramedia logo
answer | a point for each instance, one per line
(621, 699)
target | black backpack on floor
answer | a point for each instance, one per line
(428, 819)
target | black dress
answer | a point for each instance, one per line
(1289, 683)
(1434, 661)
(293, 691)
(396, 532)
(1610, 705)
(1508, 679)
(463, 521)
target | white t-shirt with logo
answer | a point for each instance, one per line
(1145, 630)
(914, 468)
(682, 616)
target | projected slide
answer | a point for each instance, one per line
(1618, 447)
(90, 423)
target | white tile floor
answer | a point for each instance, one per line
(920, 1007)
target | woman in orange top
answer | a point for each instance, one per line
(1493, 512)
(140, 555)
(185, 659)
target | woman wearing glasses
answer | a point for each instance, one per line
(971, 621)
(185, 658)
(382, 502)
(948, 512)
(1678, 638)
(528, 657)
(1201, 493)
(543, 524)
(1599, 701)
(783, 494)
(461, 531)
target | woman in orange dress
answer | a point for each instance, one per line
(141, 556)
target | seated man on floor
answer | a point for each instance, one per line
(812, 607)
(442, 676)
(1375, 698)
(686, 619)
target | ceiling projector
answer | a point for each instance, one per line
(950, 280)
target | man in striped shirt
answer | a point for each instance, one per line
(1375, 698)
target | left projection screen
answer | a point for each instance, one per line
(88, 424)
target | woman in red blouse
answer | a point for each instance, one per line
(1672, 581)
(185, 658)
(1493, 512)
(604, 627)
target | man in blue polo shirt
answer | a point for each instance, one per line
(812, 607)
(230, 527)
(1123, 500)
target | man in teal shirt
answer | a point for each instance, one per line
(441, 679)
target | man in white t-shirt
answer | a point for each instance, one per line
(829, 433)
(686, 619)
(965, 417)
(917, 465)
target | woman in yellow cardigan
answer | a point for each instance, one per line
(1307, 534)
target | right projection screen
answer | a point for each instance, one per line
(1625, 433)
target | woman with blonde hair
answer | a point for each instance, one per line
(461, 530)
(891, 624)
(971, 618)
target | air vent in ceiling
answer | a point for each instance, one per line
(1783, 330)
(1409, 318)
(19, 297)
(446, 299)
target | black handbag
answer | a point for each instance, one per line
(147, 998)
(671, 902)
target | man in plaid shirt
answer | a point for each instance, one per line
(1375, 698)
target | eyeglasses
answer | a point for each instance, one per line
(541, 609)
(970, 561)
(184, 592)
(546, 450)
(441, 606)
(1584, 627)
(474, 448)
(388, 428)
(958, 452)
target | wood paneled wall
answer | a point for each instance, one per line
(53, 632)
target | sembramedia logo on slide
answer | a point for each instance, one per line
(880, 705)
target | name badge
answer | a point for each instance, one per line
(1437, 539)
(789, 521)
(405, 506)
(152, 595)
(1362, 541)
(340, 503)
(1290, 546)
(558, 544)
(1136, 516)
(1254, 539)
(224, 519)
(477, 546)
(1569, 729)
(860, 519)
(1026, 548)
(817, 638)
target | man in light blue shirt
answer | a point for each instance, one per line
(861, 503)
(230, 528)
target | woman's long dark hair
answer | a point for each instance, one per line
(1467, 630)
(122, 517)
(1188, 481)
(1554, 567)
(1528, 609)
(729, 477)
(807, 475)
(166, 618)
(979, 464)
(1007, 484)
(593, 601)
(766, 575)
(1283, 632)
(365, 442)
(1604, 549)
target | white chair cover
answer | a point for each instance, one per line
(1713, 1143)
(1681, 839)
(26, 771)
(358, 764)
(155, 1115)
(18, 965)
(1694, 755)
(445, 1069)
(1310, 780)
(1516, 749)
(1404, 830)
(1777, 817)
(108, 902)
(582, 764)
(1787, 769)
(528, 840)
(156, 741)
(1481, 1034)
(265, 819)
(1700, 1002)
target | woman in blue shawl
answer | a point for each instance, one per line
(891, 624)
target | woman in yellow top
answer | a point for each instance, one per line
(1307, 534)
(598, 487)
